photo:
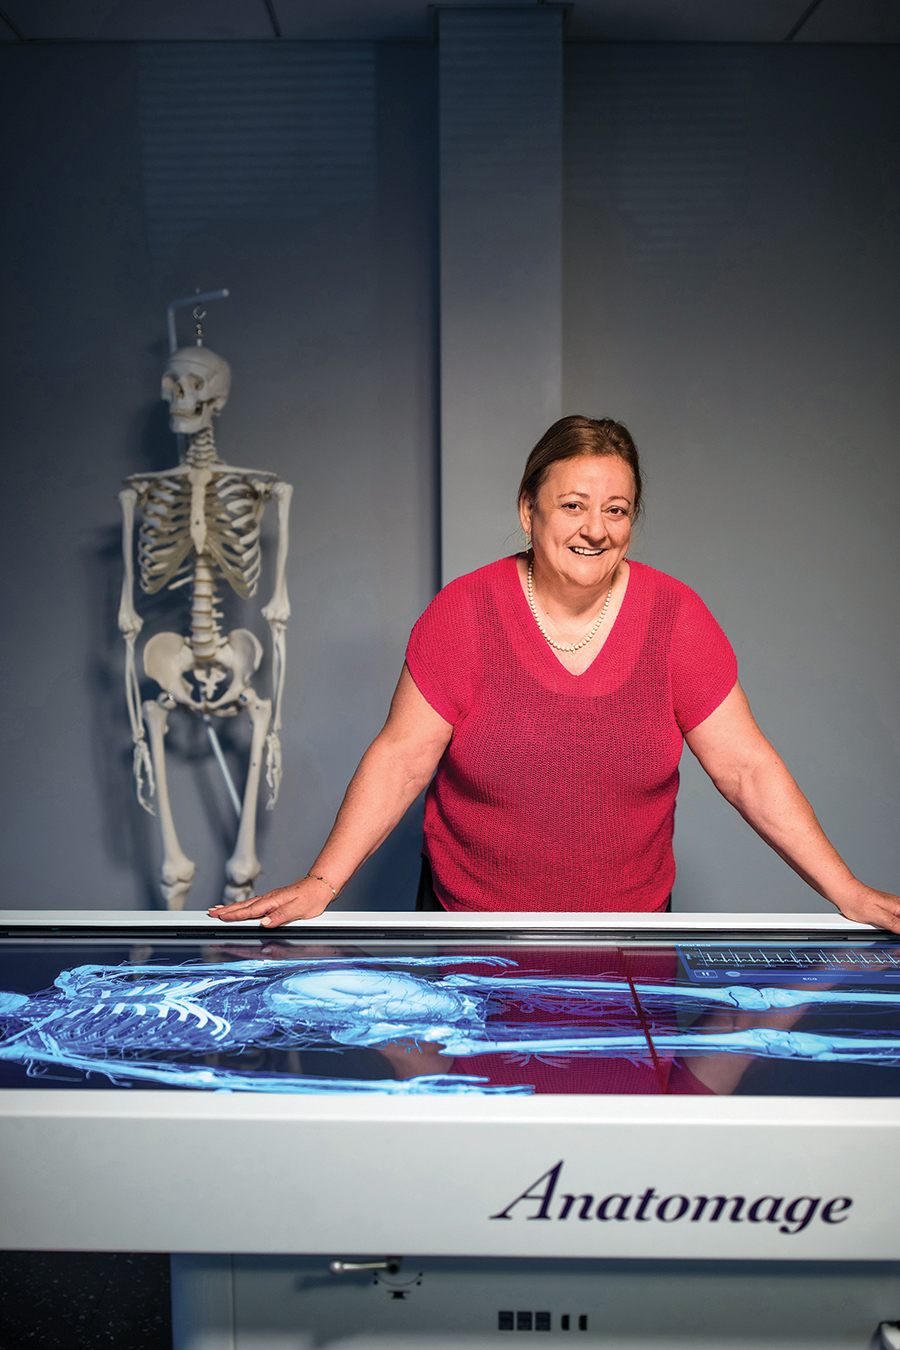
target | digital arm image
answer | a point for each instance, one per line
(153, 1023)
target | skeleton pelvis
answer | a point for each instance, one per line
(168, 657)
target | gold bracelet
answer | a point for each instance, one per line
(315, 877)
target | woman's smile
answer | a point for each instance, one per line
(580, 524)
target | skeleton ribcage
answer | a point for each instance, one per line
(233, 508)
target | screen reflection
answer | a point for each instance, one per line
(445, 1018)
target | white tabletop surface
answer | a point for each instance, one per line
(399, 919)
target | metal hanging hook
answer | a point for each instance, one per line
(194, 300)
(198, 314)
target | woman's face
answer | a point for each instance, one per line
(580, 524)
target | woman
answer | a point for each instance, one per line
(551, 693)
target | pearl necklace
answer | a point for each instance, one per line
(563, 646)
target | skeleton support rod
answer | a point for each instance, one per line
(220, 760)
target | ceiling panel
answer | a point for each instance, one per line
(365, 19)
(685, 20)
(137, 20)
(612, 20)
(853, 21)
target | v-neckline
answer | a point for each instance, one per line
(538, 642)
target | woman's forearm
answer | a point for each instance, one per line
(387, 782)
(752, 776)
(393, 771)
(380, 792)
(771, 802)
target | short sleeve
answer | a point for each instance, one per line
(441, 653)
(703, 665)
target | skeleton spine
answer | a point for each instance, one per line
(201, 450)
(205, 635)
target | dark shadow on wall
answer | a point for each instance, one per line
(124, 825)
(408, 223)
(154, 444)
(128, 833)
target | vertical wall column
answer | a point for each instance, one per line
(501, 265)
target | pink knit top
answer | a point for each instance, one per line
(557, 791)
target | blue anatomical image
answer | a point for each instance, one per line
(456, 1023)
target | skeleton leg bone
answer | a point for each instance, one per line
(177, 871)
(243, 867)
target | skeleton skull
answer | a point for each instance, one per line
(195, 385)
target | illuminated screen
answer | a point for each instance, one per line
(452, 1016)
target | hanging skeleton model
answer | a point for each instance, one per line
(200, 524)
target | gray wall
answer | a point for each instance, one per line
(731, 283)
(301, 176)
(732, 293)
(501, 207)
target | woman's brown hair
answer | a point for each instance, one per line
(573, 436)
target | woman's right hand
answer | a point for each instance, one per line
(305, 898)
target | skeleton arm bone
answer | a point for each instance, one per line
(396, 767)
(130, 622)
(130, 625)
(278, 610)
(276, 613)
